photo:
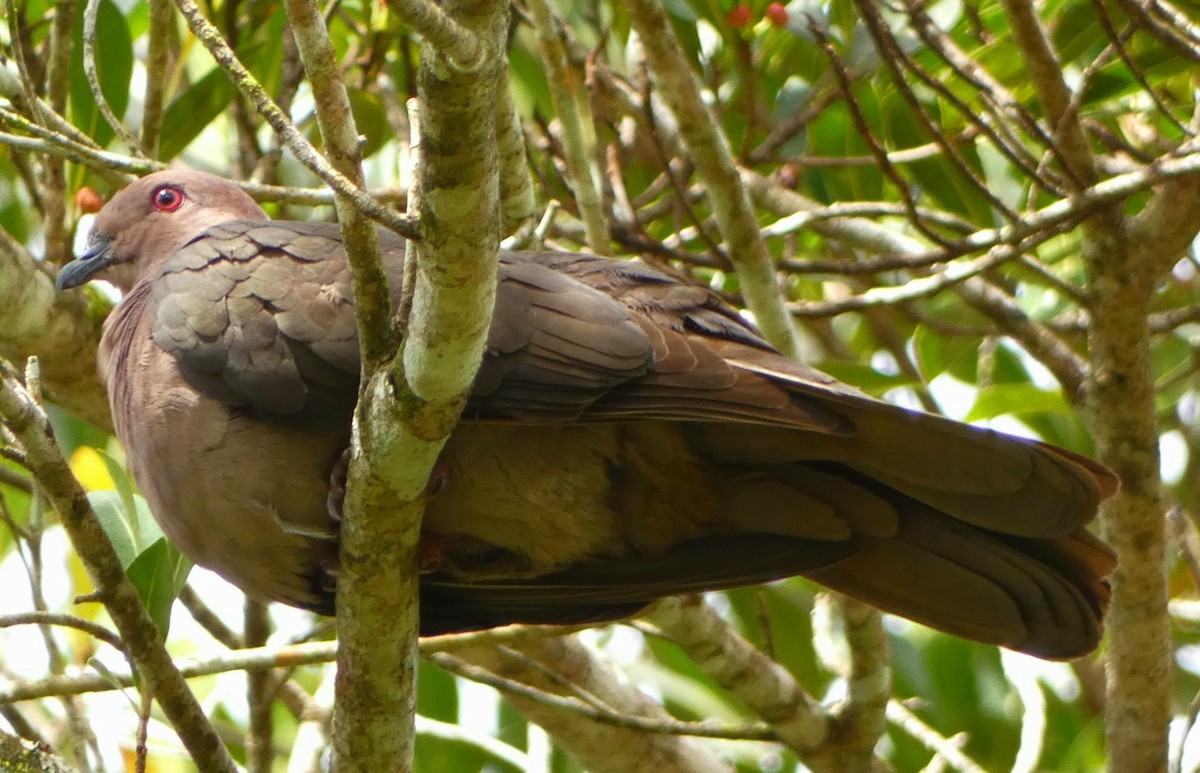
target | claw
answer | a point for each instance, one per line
(328, 566)
(433, 551)
(329, 574)
(336, 496)
(439, 476)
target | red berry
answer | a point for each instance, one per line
(87, 201)
(777, 14)
(738, 16)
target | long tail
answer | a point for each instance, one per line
(967, 530)
(1045, 596)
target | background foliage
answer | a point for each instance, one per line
(941, 264)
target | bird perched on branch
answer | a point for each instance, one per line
(628, 437)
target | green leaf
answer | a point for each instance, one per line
(114, 68)
(937, 353)
(1015, 400)
(154, 566)
(1009, 366)
(111, 513)
(370, 117)
(795, 93)
(193, 110)
(437, 693)
(158, 573)
(865, 377)
(16, 500)
(511, 725)
(133, 509)
(680, 10)
(833, 133)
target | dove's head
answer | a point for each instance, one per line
(149, 220)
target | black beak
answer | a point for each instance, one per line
(97, 257)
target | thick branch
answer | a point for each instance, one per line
(1046, 71)
(409, 406)
(860, 720)
(376, 678)
(57, 83)
(710, 152)
(599, 747)
(517, 204)
(157, 73)
(763, 685)
(1167, 226)
(578, 130)
(62, 330)
(22, 756)
(1123, 417)
(458, 44)
(372, 305)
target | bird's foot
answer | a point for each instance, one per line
(439, 476)
(464, 558)
(434, 551)
(335, 499)
(329, 566)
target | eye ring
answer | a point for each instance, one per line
(167, 198)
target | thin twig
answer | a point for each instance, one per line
(608, 716)
(459, 45)
(91, 11)
(250, 88)
(710, 152)
(67, 621)
(894, 57)
(900, 715)
(844, 79)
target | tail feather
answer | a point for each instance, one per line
(1043, 596)
(996, 481)
(986, 478)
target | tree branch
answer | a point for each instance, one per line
(710, 152)
(62, 330)
(26, 420)
(763, 685)
(578, 130)
(1046, 70)
(601, 748)
(250, 88)
(409, 406)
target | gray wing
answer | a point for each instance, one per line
(259, 316)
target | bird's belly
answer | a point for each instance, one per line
(559, 494)
(541, 493)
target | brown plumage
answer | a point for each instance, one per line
(628, 437)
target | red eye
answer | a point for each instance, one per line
(167, 198)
